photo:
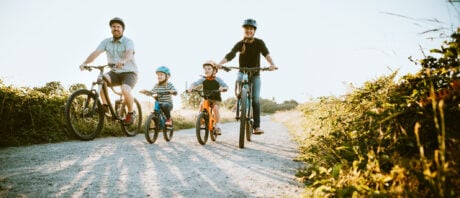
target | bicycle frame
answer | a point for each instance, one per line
(245, 84)
(100, 84)
(160, 114)
(207, 108)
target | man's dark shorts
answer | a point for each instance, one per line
(127, 78)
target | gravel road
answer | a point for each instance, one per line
(130, 167)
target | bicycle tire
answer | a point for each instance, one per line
(243, 117)
(84, 119)
(202, 133)
(168, 132)
(133, 129)
(151, 128)
(249, 123)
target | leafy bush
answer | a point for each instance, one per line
(389, 139)
(32, 115)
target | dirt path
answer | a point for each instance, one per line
(130, 167)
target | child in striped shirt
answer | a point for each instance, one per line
(164, 89)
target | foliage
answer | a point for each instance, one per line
(29, 114)
(389, 139)
(33, 116)
(190, 100)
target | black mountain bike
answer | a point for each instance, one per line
(85, 114)
(244, 94)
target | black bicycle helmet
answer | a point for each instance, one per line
(117, 20)
(250, 22)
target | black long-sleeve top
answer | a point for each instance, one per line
(251, 56)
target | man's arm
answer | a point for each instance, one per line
(270, 60)
(91, 58)
(219, 65)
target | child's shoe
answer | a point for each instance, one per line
(168, 122)
(218, 130)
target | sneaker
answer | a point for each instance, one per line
(129, 118)
(218, 131)
(258, 131)
(168, 122)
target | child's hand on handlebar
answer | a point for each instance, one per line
(146, 92)
(222, 89)
(119, 64)
(82, 67)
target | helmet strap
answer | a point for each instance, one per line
(245, 41)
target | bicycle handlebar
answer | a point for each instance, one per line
(247, 69)
(150, 93)
(204, 93)
(100, 67)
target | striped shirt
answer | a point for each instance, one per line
(165, 87)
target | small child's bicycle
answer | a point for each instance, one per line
(156, 120)
(205, 122)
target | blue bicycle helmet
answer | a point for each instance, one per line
(163, 69)
(250, 22)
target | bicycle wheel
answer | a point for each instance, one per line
(84, 114)
(133, 129)
(202, 130)
(168, 131)
(243, 118)
(151, 128)
(249, 122)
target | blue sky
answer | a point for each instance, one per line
(320, 47)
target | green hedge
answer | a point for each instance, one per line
(30, 116)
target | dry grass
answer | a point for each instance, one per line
(297, 124)
(292, 119)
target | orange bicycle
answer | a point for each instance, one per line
(205, 122)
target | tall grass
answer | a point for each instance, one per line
(387, 138)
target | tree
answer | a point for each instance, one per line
(51, 88)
